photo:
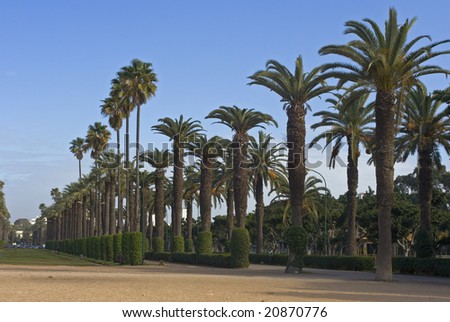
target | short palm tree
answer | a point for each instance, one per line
(266, 167)
(388, 64)
(77, 147)
(240, 121)
(138, 85)
(160, 160)
(425, 127)
(349, 121)
(181, 132)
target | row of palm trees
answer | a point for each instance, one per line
(383, 62)
(4, 215)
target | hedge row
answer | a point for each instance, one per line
(216, 260)
(123, 248)
(422, 266)
(2, 243)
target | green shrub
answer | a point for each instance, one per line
(350, 263)
(2, 243)
(126, 250)
(240, 248)
(204, 243)
(296, 239)
(184, 258)
(421, 266)
(90, 247)
(276, 259)
(82, 249)
(423, 244)
(103, 247)
(97, 247)
(158, 245)
(117, 247)
(215, 260)
(162, 257)
(178, 244)
(188, 245)
(135, 240)
(109, 251)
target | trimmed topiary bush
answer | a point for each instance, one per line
(184, 258)
(188, 245)
(158, 245)
(117, 248)
(204, 243)
(82, 250)
(135, 241)
(423, 244)
(109, 252)
(296, 239)
(126, 251)
(240, 248)
(103, 247)
(97, 247)
(215, 260)
(178, 244)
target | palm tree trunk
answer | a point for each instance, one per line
(205, 195)
(296, 133)
(84, 210)
(189, 211)
(137, 194)
(240, 181)
(119, 188)
(106, 207)
(112, 205)
(352, 184)
(425, 189)
(178, 187)
(230, 212)
(79, 169)
(384, 170)
(127, 171)
(130, 207)
(92, 214)
(79, 219)
(159, 202)
(259, 212)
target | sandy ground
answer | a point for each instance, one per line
(174, 282)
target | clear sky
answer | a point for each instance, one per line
(57, 59)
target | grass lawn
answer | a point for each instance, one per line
(20, 256)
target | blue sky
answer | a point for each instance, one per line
(57, 59)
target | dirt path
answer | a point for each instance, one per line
(173, 282)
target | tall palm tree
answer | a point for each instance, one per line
(112, 108)
(296, 90)
(77, 148)
(349, 121)
(425, 127)
(388, 64)
(266, 168)
(181, 132)
(160, 160)
(240, 121)
(139, 84)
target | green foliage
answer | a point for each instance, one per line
(423, 244)
(158, 245)
(276, 259)
(132, 248)
(240, 248)
(215, 260)
(82, 247)
(178, 244)
(184, 258)
(103, 247)
(204, 243)
(109, 249)
(2, 243)
(117, 247)
(296, 239)
(90, 247)
(158, 256)
(350, 263)
(188, 245)
(97, 247)
(421, 266)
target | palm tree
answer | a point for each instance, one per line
(138, 81)
(240, 121)
(349, 121)
(207, 150)
(112, 108)
(181, 132)
(266, 168)
(424, 128)
(77, 148)
(160, 160)
(387, 64)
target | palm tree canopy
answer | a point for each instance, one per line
(241, 120)
(180, 131)
(158, 159)
(350, 119)
(139, 82)
(77, 147)
(295, 89)
(382, 61)
(97, 137)
(111, 107)
(424, 126)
